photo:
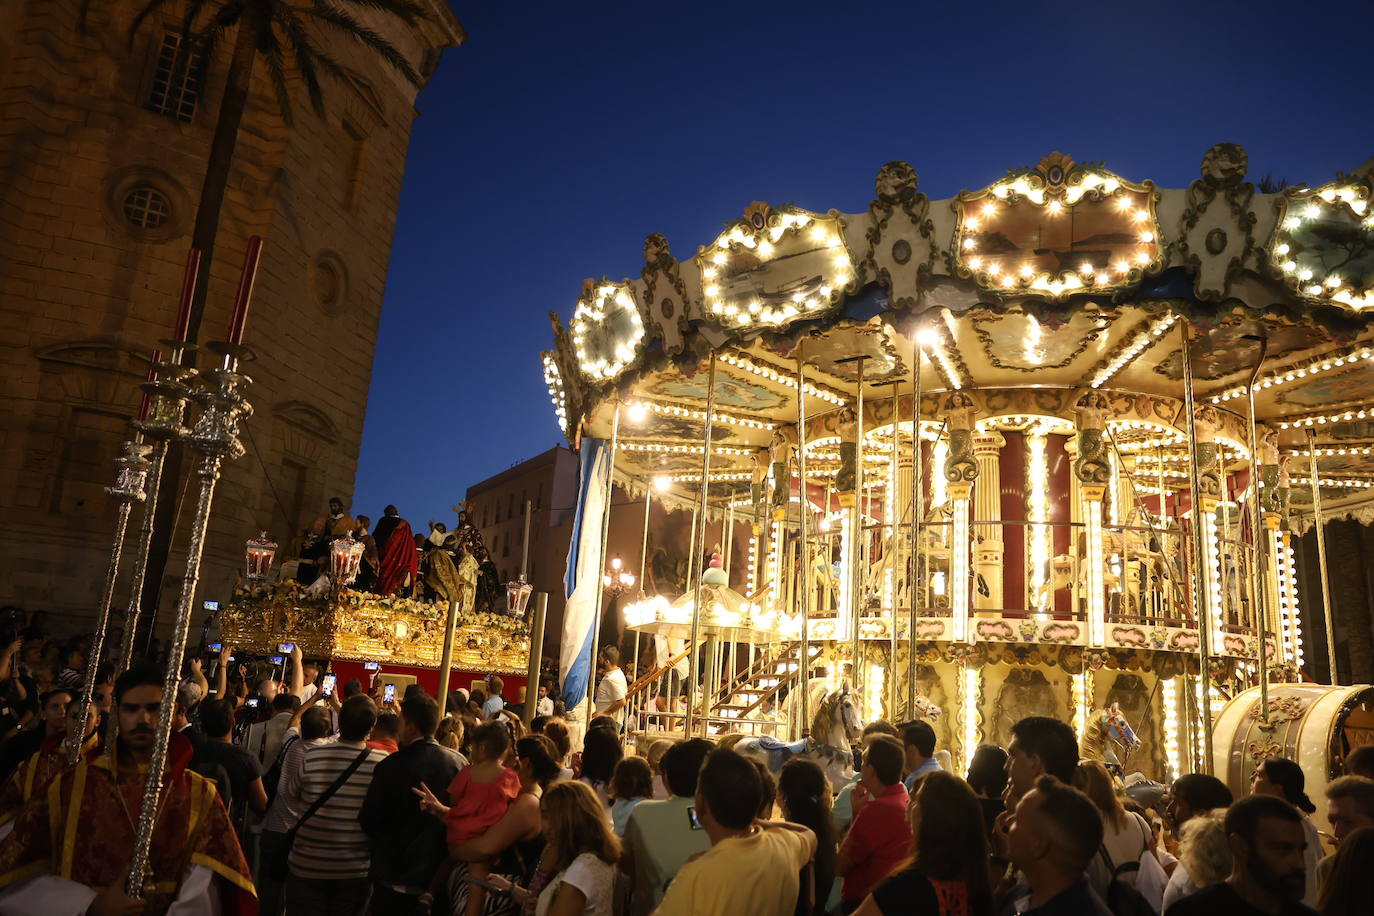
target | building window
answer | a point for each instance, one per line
(176, 78)
(355, 159)
(145, 207)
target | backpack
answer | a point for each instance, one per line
(272, 778)
(1121, 897)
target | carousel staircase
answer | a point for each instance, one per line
(775, 669)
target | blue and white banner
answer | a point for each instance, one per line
(583, 574)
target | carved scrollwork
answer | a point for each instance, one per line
(960, 465)
(901, 247)
(1216, 235)
(665, 294)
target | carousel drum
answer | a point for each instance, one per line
(1314, 724)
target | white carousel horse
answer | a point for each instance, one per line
(1108, 730)
(835, 727)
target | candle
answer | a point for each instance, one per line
(246, 281)
(188, 289)
(152, 377)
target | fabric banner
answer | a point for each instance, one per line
(583, 573)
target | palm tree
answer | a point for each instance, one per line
(285, 34)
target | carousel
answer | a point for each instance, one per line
(1039, 449)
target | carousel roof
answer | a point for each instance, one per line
(1051, 282)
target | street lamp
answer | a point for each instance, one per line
(617, 580)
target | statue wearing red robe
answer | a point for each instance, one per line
(397, 564)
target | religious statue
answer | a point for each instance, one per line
(467, 578)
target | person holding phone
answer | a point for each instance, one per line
(581, 853)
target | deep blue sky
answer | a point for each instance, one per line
(561, 134)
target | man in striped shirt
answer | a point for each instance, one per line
(330, 857)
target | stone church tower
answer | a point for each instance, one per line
(102, 154)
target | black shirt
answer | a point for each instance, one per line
(407, 843)
(241, 766)
(1075, 900)
(1222, 900)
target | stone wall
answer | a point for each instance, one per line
(85, 292)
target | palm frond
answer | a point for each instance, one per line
(304, 55)
(276, 70)
(148, 9)
(344, 23)
(405, 10)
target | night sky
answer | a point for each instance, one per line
(560, 135)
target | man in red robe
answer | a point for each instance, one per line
(397, 564)
(71, 845)
(51, 758)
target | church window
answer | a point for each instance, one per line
(355, 157)
(176, 78)
(145, 207)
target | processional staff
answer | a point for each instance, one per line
(216, 436)
(139, 476)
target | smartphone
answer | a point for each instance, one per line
(389, 695)
(482, 883)
(278, 659)
(286, 647)
(216, 647)
(252, 702)
(693, 822)
(327, 686)
(373, 666)
(211, 605)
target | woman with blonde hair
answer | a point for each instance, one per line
(1204, 854)
(1125, 836)
(581, 854)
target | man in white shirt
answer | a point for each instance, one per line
(610, 693)
(544, 705)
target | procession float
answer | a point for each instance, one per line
(1041, 448)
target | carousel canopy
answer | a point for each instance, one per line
(1027, 294)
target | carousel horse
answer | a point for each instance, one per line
(1106, 731)
(835, 727)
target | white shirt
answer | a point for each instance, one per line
(593, 877)
(611, 688)
(544, 706)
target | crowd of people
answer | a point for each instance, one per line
(290, 792)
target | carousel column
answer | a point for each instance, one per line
(960, 472)
(987, 507)
(970, 714)
(1203, 486)
(1092, 471)
(904, 567)
(847, 483)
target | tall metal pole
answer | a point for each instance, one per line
(128, 489)
(215, 436)
(893, 539)
(541, 606)
(446, 656)
(917, 508)
(695, 565)
(1257, 535)
(600, 578)
(1319, 522)
(804, 665)
(1200, 570)
(858, 551)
